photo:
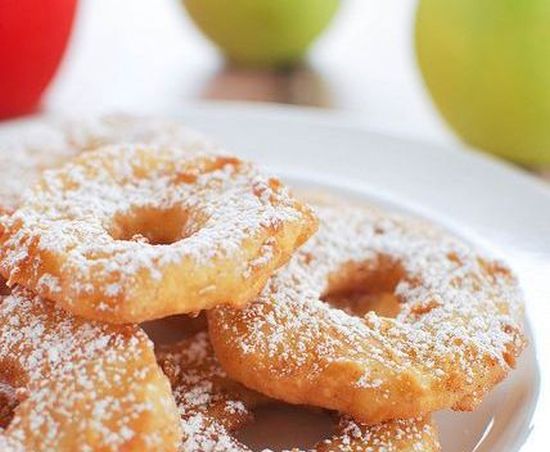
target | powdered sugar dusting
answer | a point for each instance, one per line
(226, 214)
(27, 149)
(94, 131)
(457, 334)
(213, 407)
(209, 412)
(24, 153)
(77, 380)
(43, 339)
(402, 434)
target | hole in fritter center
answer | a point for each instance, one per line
(153, 225)
(360, 287)
(280, 427)
(174, 329)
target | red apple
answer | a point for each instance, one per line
(33, 37)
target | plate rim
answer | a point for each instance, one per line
(344, 122)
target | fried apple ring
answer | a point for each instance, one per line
(133, 233)
(80, 384)
(26, 150)
(456, 334)
(213, 408)
(88, 133)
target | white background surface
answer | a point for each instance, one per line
(147, 55)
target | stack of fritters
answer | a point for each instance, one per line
(111, 222)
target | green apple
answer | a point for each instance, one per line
(487, 66)
(262, 32)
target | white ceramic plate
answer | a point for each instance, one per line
(485, 201)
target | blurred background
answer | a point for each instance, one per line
(443, 71)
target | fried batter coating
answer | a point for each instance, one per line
(134, 233)
(457, 330)
(213, 408)
(26, 150)
(80, 385)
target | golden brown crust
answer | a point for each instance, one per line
(213, 408)
(80, 384)
(30, 148)
(457, 333)
(133, 233)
